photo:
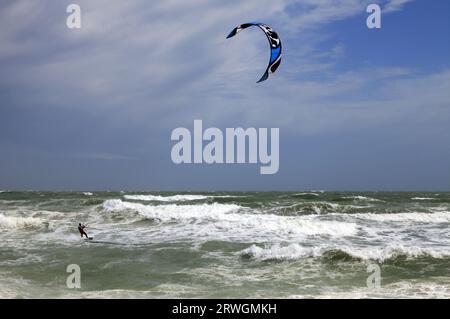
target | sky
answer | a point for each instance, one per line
(93, 108)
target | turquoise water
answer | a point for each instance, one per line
(311, 244)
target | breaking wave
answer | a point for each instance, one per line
(379, 254)
(306, 194)
(171, 211)
(8, 222)
(362, 198)
(174, 198)
(234, 219)
(437, 217)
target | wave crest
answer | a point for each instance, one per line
(234, 221)
(379, 254)
(9, 222)
(171, 211)
(363, 198)
(159, 198)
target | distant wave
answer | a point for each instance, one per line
(87, 193)
(174, 198)
(318, 208)
(380, 254)
(422, 198)
(362, 198)
(8, 222)
(327, 207)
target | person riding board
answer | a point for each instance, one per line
(81, 230)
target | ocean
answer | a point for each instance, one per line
(313, 244)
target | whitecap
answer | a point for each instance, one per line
(380, 254)
(363, 198)
(437, 217)
(174, 198)
(234, 222)
(9, 222)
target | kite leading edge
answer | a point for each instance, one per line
(275, 46)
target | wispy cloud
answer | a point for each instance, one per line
(138, 69)
(135, 60)
(104, 157)
(395, 5)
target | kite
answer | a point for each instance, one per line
(275, 46)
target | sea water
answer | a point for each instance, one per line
(310, 244)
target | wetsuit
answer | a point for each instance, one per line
(82, 232)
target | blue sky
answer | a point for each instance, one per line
(94, 108)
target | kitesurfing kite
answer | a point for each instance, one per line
(275, 46)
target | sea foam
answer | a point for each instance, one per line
(221, 220)
(174, 198)
(437, 217)
(9, 222)
(363, 198)
(380, 254)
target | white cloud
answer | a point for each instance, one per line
(395, 5)
(157, 63)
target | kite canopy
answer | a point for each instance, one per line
(275, 46)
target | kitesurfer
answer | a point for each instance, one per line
(81, 230)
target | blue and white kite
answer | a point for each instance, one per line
(275, 46)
